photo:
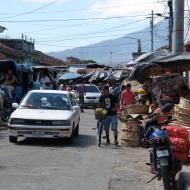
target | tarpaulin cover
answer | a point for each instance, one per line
(108, 75)
(70, 76)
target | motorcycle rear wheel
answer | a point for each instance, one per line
(165, 177)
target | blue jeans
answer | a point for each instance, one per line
(110, 120)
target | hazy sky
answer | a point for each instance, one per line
(64, 24)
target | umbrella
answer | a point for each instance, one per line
(70, 76)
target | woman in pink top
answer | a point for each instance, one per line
(127, 97)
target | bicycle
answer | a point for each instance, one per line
(100, 116)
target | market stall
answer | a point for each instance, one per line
(163, 81)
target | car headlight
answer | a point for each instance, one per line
(61, 122)
(16, 121)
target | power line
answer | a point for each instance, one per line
(188, 23)
(91, 47)
(90, 37)
(108, 29)
(164, 11)
(64, 20)
(79, 10)
(76, 25)
(71, 39)
(32, 11)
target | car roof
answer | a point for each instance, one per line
(50, 91)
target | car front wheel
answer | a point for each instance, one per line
(12, 139)
(76, 131)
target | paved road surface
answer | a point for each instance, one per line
(53, 165)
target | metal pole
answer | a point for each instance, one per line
(152, 31)
(170, 30)
(178, 27)
(111, 57)
(139, 46)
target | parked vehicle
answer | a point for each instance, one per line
(22, 72)
(23, 75)
(92, 95)
(163, 164)
(45, 114)
(49, 71)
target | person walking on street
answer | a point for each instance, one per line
(127, 97)
(109, 102)
(81, 92)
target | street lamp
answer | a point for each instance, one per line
(139, 50)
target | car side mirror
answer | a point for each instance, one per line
(15, 105)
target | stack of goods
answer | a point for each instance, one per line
(182, 112)
(130, 131)
(179, 138)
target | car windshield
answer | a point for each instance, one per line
(91, 89)
(36, 100)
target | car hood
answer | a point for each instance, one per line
(93, 94)
(41, 114)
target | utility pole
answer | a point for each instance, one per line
(178, 27)
(170, 30)
(152, 31)
(111, 53)
(139, 46)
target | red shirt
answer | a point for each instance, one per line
(127, 97)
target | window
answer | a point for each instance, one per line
(36, 100)
(91, 89)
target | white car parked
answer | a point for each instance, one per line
(45, 114)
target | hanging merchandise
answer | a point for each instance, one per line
(167, 88)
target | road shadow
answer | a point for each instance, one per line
(82, 141)
(3, 135)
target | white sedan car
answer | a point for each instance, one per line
(45, 114)
(92, 95)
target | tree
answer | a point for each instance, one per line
(87, 61)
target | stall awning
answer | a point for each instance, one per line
(182, 58)
(70, 76)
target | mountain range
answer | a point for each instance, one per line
(119, 50)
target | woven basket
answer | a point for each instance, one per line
(131, 143)
(184, 103)
(137, 109)
(182, 117)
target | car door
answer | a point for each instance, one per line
(76, 111)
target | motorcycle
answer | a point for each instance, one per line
(164, 166)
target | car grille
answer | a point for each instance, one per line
(37, 122)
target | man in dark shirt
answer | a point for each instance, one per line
(109, 102)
